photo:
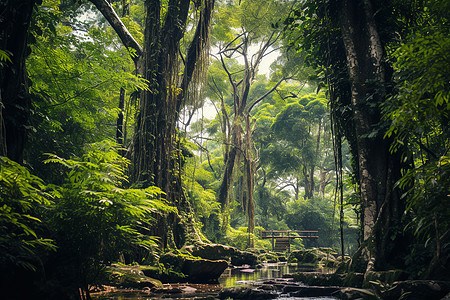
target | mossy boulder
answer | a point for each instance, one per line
(163, 274)
(222, 252)
(204, 270)
(320, 279)
(272, 257)
(130, 277)
(194, 269)
(211, 251)
(313, 256)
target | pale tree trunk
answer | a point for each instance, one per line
(323, 179)
(377, 168)
(314, 162)
(242, 141)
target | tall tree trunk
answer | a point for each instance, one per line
(312, 184)
(227, 179)
(377, 171)
(119, 127)
(249, 165)
(15, 18)
(242, 107)
(155, 154)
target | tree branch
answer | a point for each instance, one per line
(265, 95)
(113, 19)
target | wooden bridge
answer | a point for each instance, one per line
(281, 240)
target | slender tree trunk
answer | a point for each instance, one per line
(314, 161)
(15, 18)
(120, 130)
(227, 179)
(249, 166)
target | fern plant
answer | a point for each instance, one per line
(94, 217)
(22, 197)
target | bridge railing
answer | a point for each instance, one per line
(291, 234)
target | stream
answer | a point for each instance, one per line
(232, 277)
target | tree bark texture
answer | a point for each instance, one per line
(155, 154)
(250, 169)
(15, 18)
(377, 167)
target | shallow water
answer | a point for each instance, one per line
(232, 277)
(242, 275)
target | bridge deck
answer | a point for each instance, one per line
(281, 239)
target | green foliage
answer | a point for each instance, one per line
(22, 198)
(428, 204)
(4, 57)
(93, 217)
(240, 238)
(421, 104)
(77, 73)
(418, 110)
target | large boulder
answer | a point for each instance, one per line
(203, 270)
(194, 269)
(218, 252)
(125, 276)
(163, 274)
(320, 279)
(313, 256)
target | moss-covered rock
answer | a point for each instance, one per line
(313, 256)
(203, 270)
(268, 257)
(320, 279)
(272, 257)
(163, 274)
(194, 269)
(211, 251)
(222, 252)
(129, 277)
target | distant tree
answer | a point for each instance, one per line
(236, 37)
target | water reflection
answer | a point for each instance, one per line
(238, 276)
(230, 278)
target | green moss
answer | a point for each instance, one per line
(270, 257)
(311, 256)
(129, 277)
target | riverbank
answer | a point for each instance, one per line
(268, 281)
(280, 281)
(273, 288)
